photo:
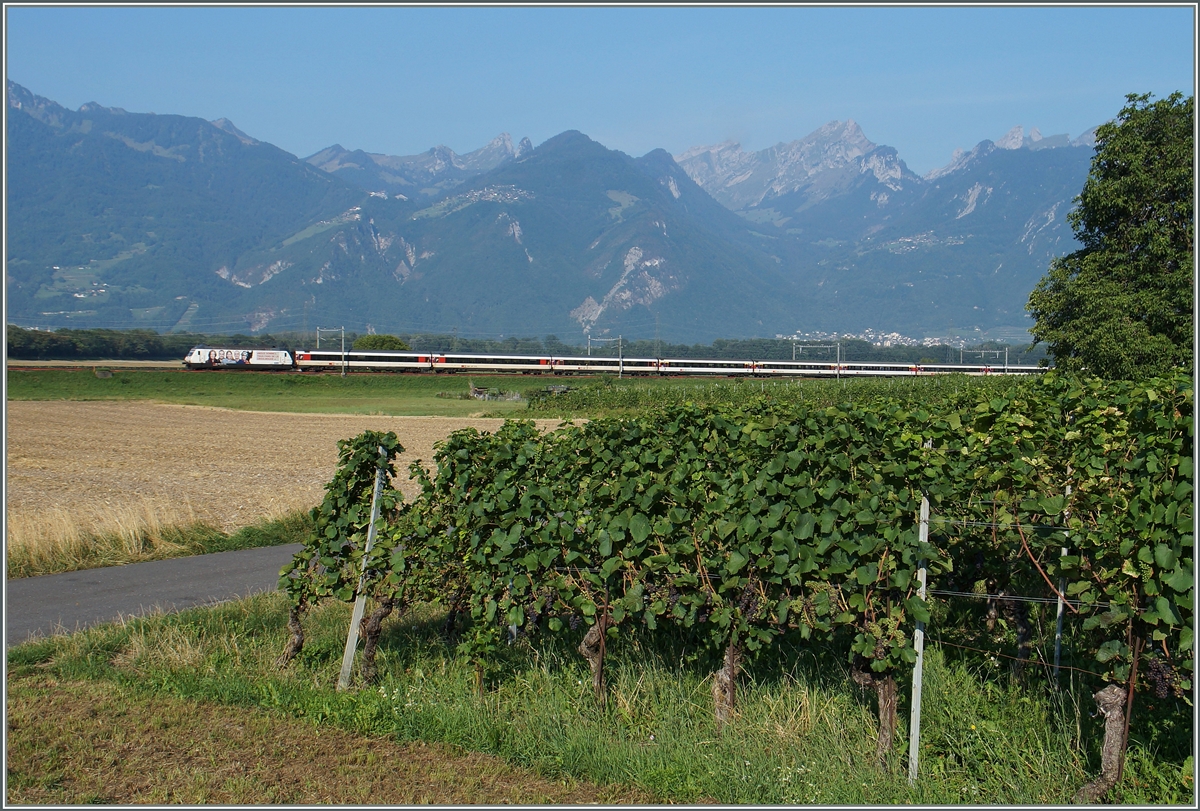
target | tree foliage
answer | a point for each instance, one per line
(386, 342)
(110, 344)
(1121, 306)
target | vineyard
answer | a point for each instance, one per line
(737, 526)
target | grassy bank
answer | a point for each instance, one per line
(387, 394)
(58, 541)
(802, 735)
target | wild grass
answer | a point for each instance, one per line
(802, 734)
(66, 540)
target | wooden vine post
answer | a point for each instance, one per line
(1110, 702)
(592, 649)
(724, 688)
(360, 602)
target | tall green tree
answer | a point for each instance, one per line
(381, 342)
(1121, 306)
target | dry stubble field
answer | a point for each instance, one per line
(98, 460)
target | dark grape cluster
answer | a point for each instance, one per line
(1161, 674)
(748, 604)
(672, 597)
(574, 621)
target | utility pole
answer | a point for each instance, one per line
(657, 345)
(342, 330)
(620, 353)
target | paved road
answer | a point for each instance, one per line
(64, 603)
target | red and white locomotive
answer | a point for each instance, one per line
(228, 357)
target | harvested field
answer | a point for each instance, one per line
(98, 460)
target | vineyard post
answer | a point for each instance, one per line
(360, 602)
(1062, 587)
(914, 719)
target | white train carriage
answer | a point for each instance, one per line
(239, 357)
(362, 360)
(479, 363)
(702, 366)
(796, 368)
(589, 365)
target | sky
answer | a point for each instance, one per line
(401, 79)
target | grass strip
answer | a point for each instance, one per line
(803, 734)
(313, 393)
(28, 555)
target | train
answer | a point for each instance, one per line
(335, 360)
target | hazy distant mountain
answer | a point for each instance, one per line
(122, 219)
(571, 238)
(125, 219)
(824, 164)
(430, 173)
(962, 246)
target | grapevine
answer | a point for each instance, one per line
(744, 522)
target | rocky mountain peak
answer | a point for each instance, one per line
(741, 179)
(491, 155)
(43, 109)
(1013, 139)
(227, 126)
(1086, 139)
(443, 156)
(961, 159)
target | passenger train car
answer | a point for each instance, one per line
(305, 360)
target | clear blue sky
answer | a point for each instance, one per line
(399, 80)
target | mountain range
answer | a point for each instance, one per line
(123, 219)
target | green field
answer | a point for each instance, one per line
(384, 394)
(446, 395)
